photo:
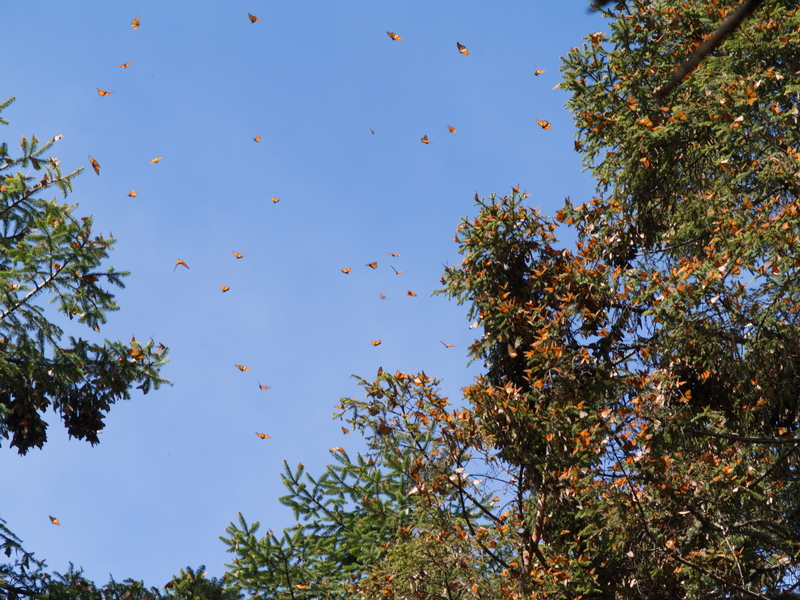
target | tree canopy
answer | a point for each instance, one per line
(48, 252)
(635, 432)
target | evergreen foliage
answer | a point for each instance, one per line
(636, 429)
(46, 252)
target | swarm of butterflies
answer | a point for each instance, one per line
(135, 23)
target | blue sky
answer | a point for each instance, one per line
(311, 78)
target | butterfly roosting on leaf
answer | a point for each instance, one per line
(462, 48)
(95, 165)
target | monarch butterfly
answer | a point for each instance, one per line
(376, 343)
(382, 296)
(410, 293)
(425, 140)
(538, 71)
(275, 200)
(392, 254)
(242, 367)
(236, 254)
(132, 194)
(345, 430)
(135, 23)
(253, 18)
(337, 449)
(346, 271)
(54, 520)
(262, 387)
(372, 265)
(263, 436)
(452, 129)
(95, 165)
(396, 272)
(447, 345)
(462, 48)
(372, 130)
(543, 124)
(515, 189)
(394, 36)
(179, 262)
(225, 288)
(125, 66)
(155, 160)
(257, 138)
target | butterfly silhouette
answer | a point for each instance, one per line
(103, 92)
(372, 130)
(262, 387)
(538, 72)
(54, 521)
(346, 271)
(394, 36)
(253, 18)
(95, 165)
(425, 140)
(275, 200)
(392, 254)
(446, 345)
(125, 66)
(410, 293)
(462, 48)
(396, 272)
(372, 265)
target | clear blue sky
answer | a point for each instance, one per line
(311, 78)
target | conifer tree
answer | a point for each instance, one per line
(635, 432)
(47, 253)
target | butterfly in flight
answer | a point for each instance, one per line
(263, 436)
(179, 262)
(372, 265)
(95, 165)
(337, 449)
(262, 387)
(393, 254)
(394, 36)
(253, 18)
(347, 270)
(54, 520)
(538, 72)
(125, 66)
(155, 160)
(135, 23)
(462, 48)
(345, 430)
(382, 296)
(275, 200)
(447, 345)
(242, 367)
(103, 92)
(410, 293)
(376, 343)
(237, 255)
(372, 130)
(543, 124)
(132, 194)
(452, 129)
(224, 288)
(257, 138)
(515, 189)
(396, 272)
(424, 139)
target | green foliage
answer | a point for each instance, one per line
(46, 252)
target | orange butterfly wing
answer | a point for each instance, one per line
(242, 367)
(392, 254)
(452, 129)
(262, 387)
(424, 139)
(396, 272)
(54, 521)
(224, 288)
(275, 200)
(125, 66)
(135, 23)
(132, 194)
(155, 160)
(236, 254)
(376, 343)
(253, 18)
(347, 270)
(257, 138)
(95, 165)
(394, 36)
(103, 92)
(462, 48)
(179, 262)
(538, 71)
(543, 124)
(446, 345)
(263, 436)
(410, 293)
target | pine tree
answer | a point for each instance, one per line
(46, 252)
(635, 432)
